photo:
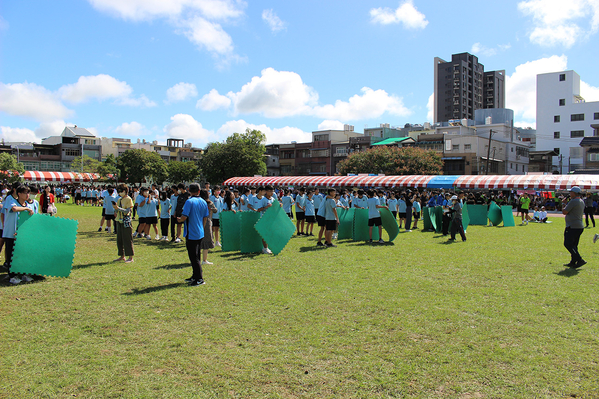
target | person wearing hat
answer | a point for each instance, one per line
(456, 224)
(574, 212)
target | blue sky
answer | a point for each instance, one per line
(203, 69)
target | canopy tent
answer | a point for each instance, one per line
(392, 141)
(494, 182)
(36, 176)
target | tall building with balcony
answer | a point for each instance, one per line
(73, 142)
(462, 86)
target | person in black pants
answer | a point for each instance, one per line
(194, 215)
(456, 223)
(446, 215)
(589, 210)
(574, 227)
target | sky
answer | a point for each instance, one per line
(201, 70)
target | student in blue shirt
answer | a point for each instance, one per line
(266, 202)
(392, 204)
(318, 199)
(110, 198)
(344, 199)
(12, 207)
(331, 217)
(165, 215)
(321, 220)
(141, 203)
(287, 201)
(173, 204)
(300, 211)
(416, 211)
(218, 203)
(243, 201)
(194, 215)
(374, 215)
(401, 209)
(152, 215)
(309, 213)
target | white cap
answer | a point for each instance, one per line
(575, 189)
(455, 197)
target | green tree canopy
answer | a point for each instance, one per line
(138, 165)
(179, 172)
(10, 170)
(90, 165)
(242, 154)
(393, 161)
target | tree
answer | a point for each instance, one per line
(179, 172)
(393, 161)
(138, 165)
(90, 165)
(10, 170)
(108, 167)
(242, 154)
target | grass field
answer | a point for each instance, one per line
(498, 316)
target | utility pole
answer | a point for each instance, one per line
(489, 151)
(82, 160)
(561, 164)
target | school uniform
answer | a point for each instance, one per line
(310, 211)
(287, 202)
(173, 202)
(374, 215)
(165, 216)
(218, 203)
(300, 200)
(329, 206)
(392, 204)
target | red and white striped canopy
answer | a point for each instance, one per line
(494, 182)
(35, 175)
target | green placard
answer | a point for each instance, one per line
(250, 239)
(230, 230)
(439, 218)
(426, 219)
(494, 214)
(346, 223)
(432, 215)
(478, 214)
(465, 217)
(361, 226)
(45, 245)
(275, 227)
(508, 216)
(389, 224)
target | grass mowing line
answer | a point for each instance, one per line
(497, 316)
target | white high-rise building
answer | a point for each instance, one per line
(563, 118)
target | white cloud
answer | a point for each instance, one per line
(183, 126)
(479, 49)
(131, 129)
(557, 22)
(371, 104)
(15, 134)
(3, 24)
(47, 129)
(430, 107)
(273, 21)
(406, 14)
(285, 134)
(102, 87)
(328, 124)
(181, 92)
(198, 20)
(274, 94)
(521, 86)
(212, 101)
(31, 101)
(588, 92)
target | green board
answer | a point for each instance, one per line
(432, 215)
(426, 219)
(508, 216)
(230, 230)
(439, 218)
(275, 227)
(389, 224)
(494, 214)
(346, 223)
(45, 245)
(465, 217)
(361, 226)
(478, 215)
(250, 239)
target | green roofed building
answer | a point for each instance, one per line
(396, 141)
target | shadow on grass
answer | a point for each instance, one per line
(310, 249)
(92, 265)
(148, 290)
(95, 234)
(568, 272)
(177, 266)
(449, 242)
(239, 255)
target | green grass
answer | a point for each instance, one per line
(496, 317)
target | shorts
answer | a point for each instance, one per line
(331, 225)
(394, 214)
(152, 220)
(375, 222)
(143, 220)
(321, 221)
(94, 200)
(103, 212)
(300, 215)
(525, 211)
(77, 196)
(416, 215)
(215, 222)
(402, 215)
(310, 219)
(290, 215)
(109, 217)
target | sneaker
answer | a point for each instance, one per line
(266, 251)
(571, 264)
(106, 229)
(148, 237)
(310, 235)
(157, 237)
(595, 238)
(130, 260)
(319, 244)
(370, 241)
(580, 263)
(26, 279)
(335, 236)
(177, 240)
(381, 241)
(165, 238)
(15, 280)
(195, 283)
(135, 234)
(100, 229)
(217, 244)
(408, 231)
(205, 262)
(330, 245)
(189, 280)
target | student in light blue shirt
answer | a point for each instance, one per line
(392, 204)
(244, 200)
(141, 201)
(165, 215)
(218, 203)
(309, 213)
(374, 215)
(110, 198)
(416, 208)
(266, 202)
(287, 202)
(344, 199)
(331, 217)
(173, 201)
(152, 215)
(300, 211)
(194, 215)
(318, 199)
(402, 208)
(12, 208)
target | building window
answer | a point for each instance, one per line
(562, 77)
(576, 117)
(467, 147)
(556, 118)
(556, 150)
(455, 147)
(516, 167)
(556, 135)
(576, 133)
(562, 102)
(596, 115)
(321, 137)
(593, 157)
(71, 152)
(575, 152)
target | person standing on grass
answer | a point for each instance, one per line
(110, 198)
(574, 212)
(141, 202)
(300, 211)
(524, 207)
(194, 215)
(124, 239)
(207, 242)
(165, 215)
(152, 206)
(287, 201)
(12, 208)
(456, 224)
(218, 203)
(331, 217)
(322, 223)
(309, 213)
(173, 200)
(46, 199)
(31, 200)
(417, 208)
(401, 209)
(243, 200)
(589, 209)
(374, 215)
(392, 204)
(181, 199)
(266, 202)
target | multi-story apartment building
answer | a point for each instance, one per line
(462, 86)
(563, 118)
(73, 142)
